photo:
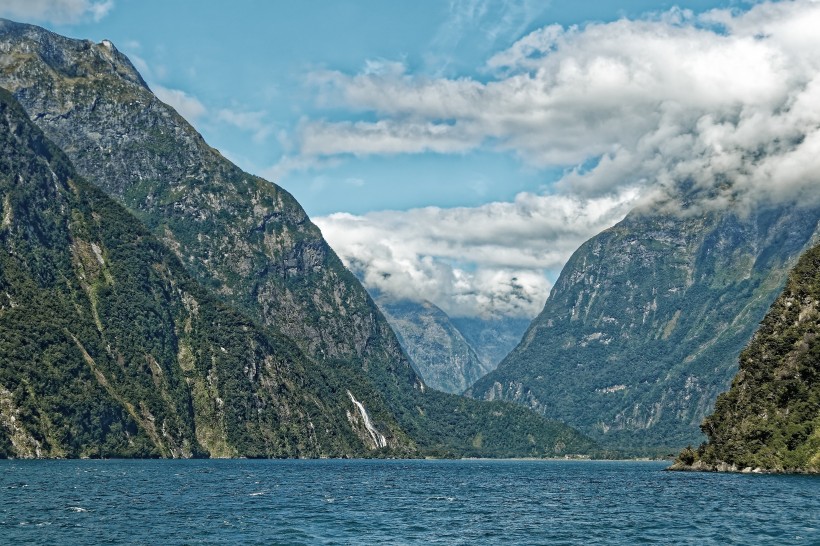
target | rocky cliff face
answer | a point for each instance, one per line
(243, 238)
(109, 348)
(439, 351)
(642, 329)
(492, 338)
(770, 418)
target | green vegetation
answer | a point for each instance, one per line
(263, 371)
(646, 321)
(109, 348)
(770, 418)
(454, 425)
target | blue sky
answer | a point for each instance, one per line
(460, 151)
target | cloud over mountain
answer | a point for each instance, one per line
(188, 106)
(727, 102)
(485, 261)
(651, 101)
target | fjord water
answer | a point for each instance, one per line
(398, 502)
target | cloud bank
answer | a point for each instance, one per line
(484, 261)
(727, 102)
(56, 11)
(704, 98)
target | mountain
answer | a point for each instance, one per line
(241, 237)
(492, 338)
(642, 330)
(439, 351)
(109, 348)
(770, 418)
(449, 353)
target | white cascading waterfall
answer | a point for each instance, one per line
(378, 438)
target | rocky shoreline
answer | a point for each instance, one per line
(701, 466)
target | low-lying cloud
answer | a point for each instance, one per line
(487, 261)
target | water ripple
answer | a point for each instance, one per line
(398, 502)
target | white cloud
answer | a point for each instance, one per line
(320, 138)
(487, 261)
(288, 164)
(726, 98)
(253, 122)
(728, 101)
(56, 11)
(479, 25)
(188, 106)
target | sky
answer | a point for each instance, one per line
(459, 151)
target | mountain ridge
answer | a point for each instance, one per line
(769, 419)
(439, 351)
(641, 331)
(110, 349)
(243, 238)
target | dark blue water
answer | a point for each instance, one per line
(398, 502)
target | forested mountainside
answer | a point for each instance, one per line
(443, 358)
(769, 420)
(244, 238)
(241, 237)
(109, 349)
(642, 330)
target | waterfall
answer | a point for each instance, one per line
(378, 438)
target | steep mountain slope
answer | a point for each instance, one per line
(770, 418)
(241, 236)
(492, 338)
(109, 348)
(440, 353)
(642, 329)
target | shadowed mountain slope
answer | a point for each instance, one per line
(109, 348)
(770, 418)
(245, 239)
(438, 349)
(643, 327)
